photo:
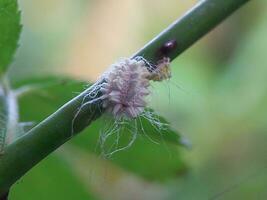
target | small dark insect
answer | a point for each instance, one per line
(167, 48)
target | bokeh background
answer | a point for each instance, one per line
(217, 99)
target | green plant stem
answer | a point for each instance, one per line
(9, 115)
(22, 155)
(12, 117)
(3, 118)
(192, 26)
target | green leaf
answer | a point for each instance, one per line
(46, 95)
(9, 32)
(154, 155)
(164, 133)
(52, 179)
(151, 146)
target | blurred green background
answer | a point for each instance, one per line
(217, 98)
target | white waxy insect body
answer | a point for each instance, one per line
(123, 91)
(126, 88)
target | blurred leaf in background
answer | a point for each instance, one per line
(217, 99)
(10, 31)
(142, 158)
(52, 179)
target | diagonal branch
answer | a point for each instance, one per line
(51, 133)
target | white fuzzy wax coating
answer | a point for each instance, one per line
(126, 88)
